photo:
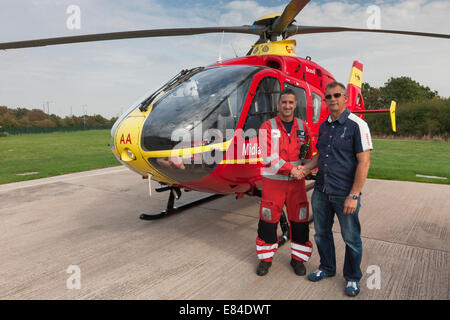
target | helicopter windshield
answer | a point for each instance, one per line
(203, 109)
(210, 99)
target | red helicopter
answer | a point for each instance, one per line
(199, 131)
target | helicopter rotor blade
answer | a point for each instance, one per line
(256, 30)
(295, 29)
(288, 15)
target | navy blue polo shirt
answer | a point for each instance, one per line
(338, 143)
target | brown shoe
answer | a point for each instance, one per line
(263, 268)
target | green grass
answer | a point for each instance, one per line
(52, 154)
(403, 159)
(59, 153)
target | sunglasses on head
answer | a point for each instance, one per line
(336, 95)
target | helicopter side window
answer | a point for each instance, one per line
(317, 105)
(300, 94)
(229, 111)
(264, 105)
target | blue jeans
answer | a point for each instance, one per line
(324, 207)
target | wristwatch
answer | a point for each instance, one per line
(354, 196)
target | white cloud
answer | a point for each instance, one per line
(109, 76)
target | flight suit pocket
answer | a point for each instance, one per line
(303, 211)
(269, 211)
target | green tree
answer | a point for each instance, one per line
(36, 115)
(7, 120)
(56, 120)
(113, 120)
(21, 112)
(68, 121)
(371, 97)
(419, 119)
(100, 120)
(404, 89)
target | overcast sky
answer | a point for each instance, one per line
(107, 77)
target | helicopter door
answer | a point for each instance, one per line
(315, 115)
(263, 106)
(300, 94)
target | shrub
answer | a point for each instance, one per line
(421, 119)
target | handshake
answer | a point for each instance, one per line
(298, 172)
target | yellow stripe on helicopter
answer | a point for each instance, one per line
(223, 146)
(241, 161)
(187, 152)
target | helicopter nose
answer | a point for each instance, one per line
(186, 160)
(126, 146)
(126, 138)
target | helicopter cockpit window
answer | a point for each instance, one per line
(264, 105)
(300, 94)
(317, 104)
(210, 99)
(201, 110)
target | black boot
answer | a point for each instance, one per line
(263, 268)
(299, 267)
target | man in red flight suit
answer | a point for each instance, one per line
(281, 139)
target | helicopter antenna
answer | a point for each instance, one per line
(234, 50)
(219, 59)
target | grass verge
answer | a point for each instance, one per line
(404, 159)
(35, 156)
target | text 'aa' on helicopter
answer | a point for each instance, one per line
(199, 131)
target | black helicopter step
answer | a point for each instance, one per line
(175, 193)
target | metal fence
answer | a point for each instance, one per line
(31, 130)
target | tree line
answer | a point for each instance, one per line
(421, 112)
(25, 118)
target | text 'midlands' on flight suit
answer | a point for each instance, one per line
(280, 153)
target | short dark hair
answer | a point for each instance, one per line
(287, 91)
(335, 84)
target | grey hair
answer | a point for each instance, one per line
(335, 84)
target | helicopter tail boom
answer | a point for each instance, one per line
(355, 100)
(391, 111)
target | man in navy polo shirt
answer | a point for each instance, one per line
(343, 160)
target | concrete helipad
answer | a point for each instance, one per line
(83, 231)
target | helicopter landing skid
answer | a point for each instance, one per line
(171, 209)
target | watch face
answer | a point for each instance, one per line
(355, 197)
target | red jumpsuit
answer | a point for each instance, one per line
(280, 153)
